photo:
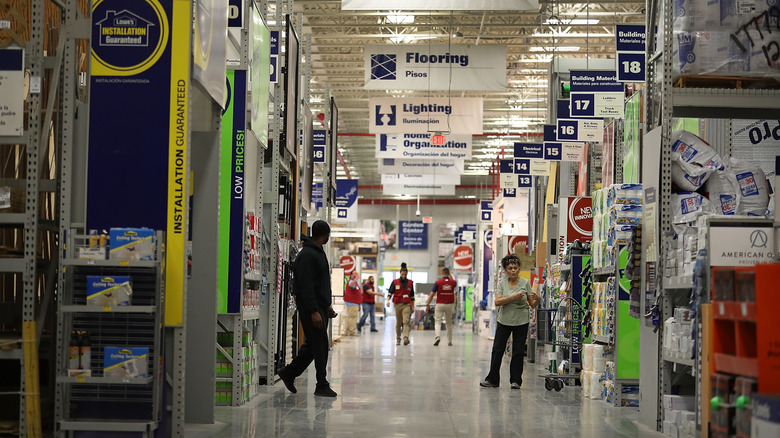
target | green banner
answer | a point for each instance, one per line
(627, 341)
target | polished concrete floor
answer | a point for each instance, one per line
(420, 390)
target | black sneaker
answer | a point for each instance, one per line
(287, 379)
(324, 391)
(374, 331)
(515, 385)
(436, 342)
(486, 384)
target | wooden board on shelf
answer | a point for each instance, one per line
(730, 82)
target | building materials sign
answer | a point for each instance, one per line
(420, 115)
(141, 48)
(435, 67)
(630, 47)
(595, 94)
(421, 146)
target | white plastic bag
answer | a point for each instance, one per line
(693, 160)
(753, 189)
(722, 191)
(687, 206)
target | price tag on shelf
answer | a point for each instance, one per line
(81, 379)
(124, 263)
(90, 262)
(106, 308)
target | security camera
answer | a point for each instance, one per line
(417, 213)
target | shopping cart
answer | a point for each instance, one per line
(561, 327)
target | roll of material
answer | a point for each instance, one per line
(587, 357)
(594, 383)
(585, 378)
(599, 364)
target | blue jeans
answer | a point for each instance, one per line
(368, 308)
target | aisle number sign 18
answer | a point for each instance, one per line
(630, 41)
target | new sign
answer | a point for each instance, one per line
(458, 115)
(420, 146)
(412, 235)
(595, 94)
(575, 222)
(348, 263)
(435, 67)
(630, 42)
(420, 179)
(416, 166)
(463, 258)
(346, 200)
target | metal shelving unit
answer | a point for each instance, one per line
(97, 402)
(663, 102)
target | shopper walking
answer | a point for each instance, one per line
(513, 317)
(353, 298)
(401, 292)
(369, 306)
(313, 296)
(444, 289)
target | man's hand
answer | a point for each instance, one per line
(316, 319)
(332, 313)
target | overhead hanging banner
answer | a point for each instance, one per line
(420, 179)
(441, 5)
(630, 41)
(564, 151)
(209, 47)
(596, 94)
(528, 150)
(11, 92)
(457, 67)
(419, 189)
(407, 165)
(320, 137)
(580, 130)
(508, 177)
(317, 196)
(141, 48)
(420, 146)
(346, 200)
(421, 115)
(412, 235)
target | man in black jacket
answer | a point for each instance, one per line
(311, 285)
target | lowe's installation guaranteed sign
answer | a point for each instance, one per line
(417, 166)
(421, 115)
(420, 146)
(435, 67)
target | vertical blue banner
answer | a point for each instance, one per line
(412, 235)
(319, 145)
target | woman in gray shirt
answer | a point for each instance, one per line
(513, 318)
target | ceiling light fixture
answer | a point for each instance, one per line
(397, 39)
(570, 21)
(396, 18)
(555, 49)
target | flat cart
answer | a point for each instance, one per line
(561, 327)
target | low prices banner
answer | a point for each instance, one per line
(576, 223)
(420, 146)
(463, 258)
(412, 235)
(421, 115)
(435, 67)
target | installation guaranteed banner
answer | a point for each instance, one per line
(435, 67)
(421, 115)
(138, 127)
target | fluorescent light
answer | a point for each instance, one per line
(555, 49)
(571, 21)
(410, 38)
(400, 19)
(573, 35)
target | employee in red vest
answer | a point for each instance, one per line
(353, 298)
(401, 293)
(444, 289)
(369, 308)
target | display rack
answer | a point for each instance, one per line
(662, 103)
(88, 397)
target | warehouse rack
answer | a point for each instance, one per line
(662, 103)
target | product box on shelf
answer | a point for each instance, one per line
(131, 244)
(721, 418)
(766, 416)
(679, 402)
(745, 284)
(744, 387)
(109, 291)
(128, 362)
(722, 284)
(11, 200)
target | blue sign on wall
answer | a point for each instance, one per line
(563, 109)
(319, 145)
(631, 66)
(549, 130)
(552, 151)
(630, 38)
(412, 235)
(594, 81)
(529, 150)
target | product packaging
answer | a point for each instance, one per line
(109, 291)
(125, 362)
(131, 244)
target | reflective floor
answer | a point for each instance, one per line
(420, 390)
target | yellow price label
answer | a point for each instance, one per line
(106, 308)
(124, 263)
(81, 379)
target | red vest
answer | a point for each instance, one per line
(402, 294)
(445, 290)
(368, 298)
(353, 294)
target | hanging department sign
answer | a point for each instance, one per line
(11, 92)
(435, 67)
(319, 145)
(419, 189)
(486, 211)
(346, 200)
(458, 115)
(420, 179)
(564, 151)
(741, 246)
(507, 175)
(141, 48)
(441, 5)
(412, 235)
(595, 94)
(630, 41)
(420, 146)
(425, 167)
(580, 130)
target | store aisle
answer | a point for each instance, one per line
(420, 391)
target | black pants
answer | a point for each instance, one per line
(314, 348)
(519, 334)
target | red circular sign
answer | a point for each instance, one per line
(513, 241)
(348, 263)
(463, 257)
(580, 218)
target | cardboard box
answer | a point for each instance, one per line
(129, 362)
(679, 402)
(108, 291)
(131, 244)
(93, 253)
(11, 200)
